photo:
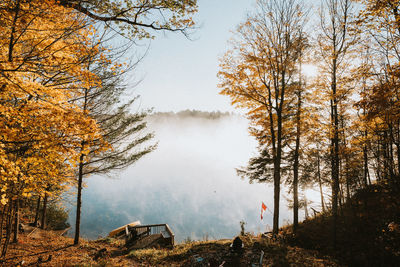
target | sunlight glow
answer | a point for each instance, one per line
(310, 70)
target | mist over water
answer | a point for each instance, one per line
(188, 182)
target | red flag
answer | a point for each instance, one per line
(263, 208)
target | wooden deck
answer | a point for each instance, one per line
(140, 231)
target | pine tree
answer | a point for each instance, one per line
(122, 130)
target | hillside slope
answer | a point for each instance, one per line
(35, 250)
(368, 229)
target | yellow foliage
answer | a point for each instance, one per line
(43, 48)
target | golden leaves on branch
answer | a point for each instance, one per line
(44, 47)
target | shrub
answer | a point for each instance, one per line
(56, 217)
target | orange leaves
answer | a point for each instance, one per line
(258, 71)
(42, 63)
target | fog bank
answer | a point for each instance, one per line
(189, 182)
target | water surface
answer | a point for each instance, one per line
(189, 182)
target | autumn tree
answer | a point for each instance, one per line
(42, 45)
(380, 94)
(299, 96)
(47, 50)
(136, 20)
(334, 43)
(364, 138)
(139, 19)
(122, 129)
(257, 74)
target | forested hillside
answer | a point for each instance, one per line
(318, 81)
(338, 129)
(64, 111)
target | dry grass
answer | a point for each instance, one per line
(46, 243)
(214, 253)
(42, 244)
(180, 253)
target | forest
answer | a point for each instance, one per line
(65, 113)
(339, 129)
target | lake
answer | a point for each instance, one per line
(188, 182)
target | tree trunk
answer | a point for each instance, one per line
(79, 200)
(365, 174)
(2, 222)
(44, 210)
(13, 29)
(335, 33)
(16, 222)
(277, 184)
(385, 156)
(9, 225)
(334, 151)
(340, 197)
(398, 147)
(320, 181)
(277, 176)
(377, 160)
(35, 223)
(295, 195)
(391, 156)
(296, 166)
(346, 164)
(80, 180)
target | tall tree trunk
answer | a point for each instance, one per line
(398, 160)
(277, 176)
(336, 46)
(3, 217)
(80, 180)
(346, 163)
(79, 200)
(16, 221)
(277, 184)
(391, 156)
(365, 144)
(44, 211)
(295, 193)
(320, 180)
(378, 159)
(385, 156)
(9, 225)
(35, 223)
(340, 197)
(278, 157)
(275, 222)
(296, 164)
(365, 173)
(13, 29)
(335, 151)
(398, 147)
(369, 178)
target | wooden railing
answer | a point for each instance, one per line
(153, 229)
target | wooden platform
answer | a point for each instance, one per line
(145, 236)
(122, 228)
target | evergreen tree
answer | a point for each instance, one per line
(121, 129)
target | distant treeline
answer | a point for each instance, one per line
(213, 115)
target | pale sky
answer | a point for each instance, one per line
(181, 74)
(178, 73)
